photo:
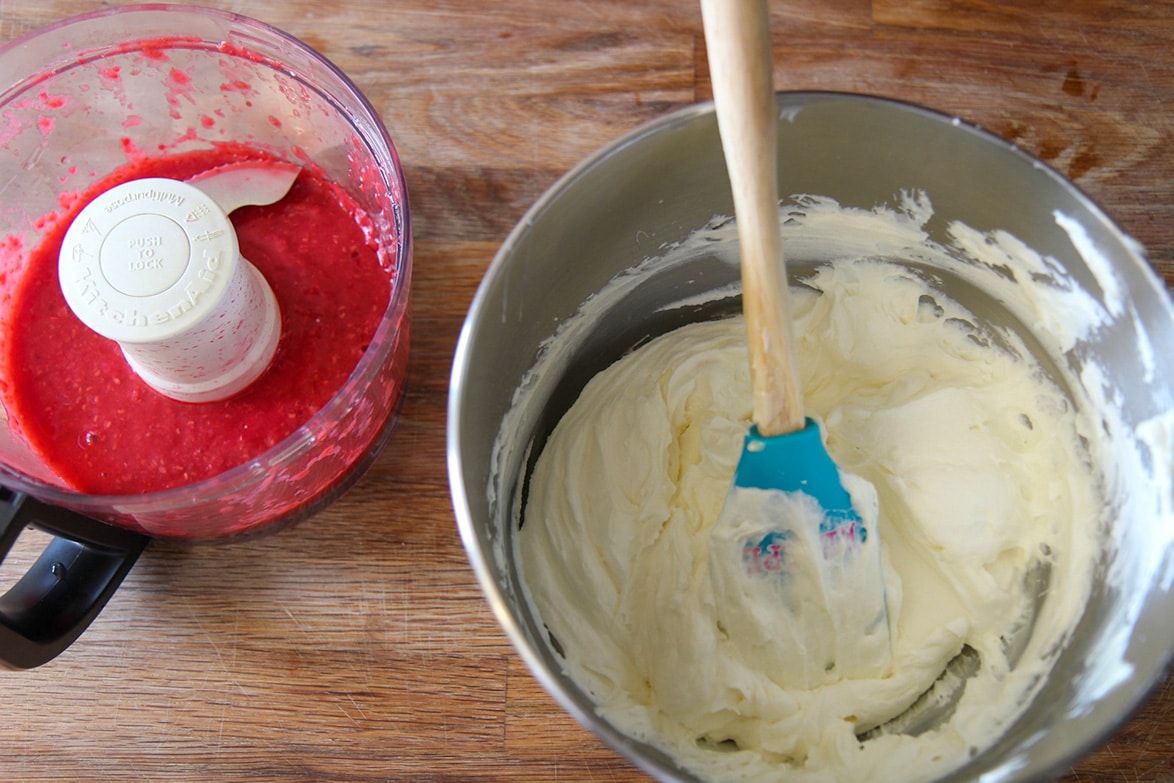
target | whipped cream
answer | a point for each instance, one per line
(997, 450)
(979, 477)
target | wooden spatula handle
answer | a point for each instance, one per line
(737, 39)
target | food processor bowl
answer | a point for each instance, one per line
(91, 94)
(85, 96)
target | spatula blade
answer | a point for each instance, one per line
(793, 536)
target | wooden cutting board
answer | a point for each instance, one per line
(357, 646)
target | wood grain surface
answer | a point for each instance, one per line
(357, 646)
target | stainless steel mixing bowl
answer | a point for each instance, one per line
(647, 193)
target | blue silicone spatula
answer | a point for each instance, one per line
(789, 523)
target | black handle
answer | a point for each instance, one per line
(61, 594)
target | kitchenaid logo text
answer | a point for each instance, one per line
(150, 194)
(197, 286)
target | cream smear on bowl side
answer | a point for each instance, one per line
(976, 450)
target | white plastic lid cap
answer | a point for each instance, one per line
(154, 264)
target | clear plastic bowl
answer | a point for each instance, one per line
(95, 89)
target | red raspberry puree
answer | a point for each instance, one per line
(70, 393)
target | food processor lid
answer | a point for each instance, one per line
(154, 264)
(147, 260)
